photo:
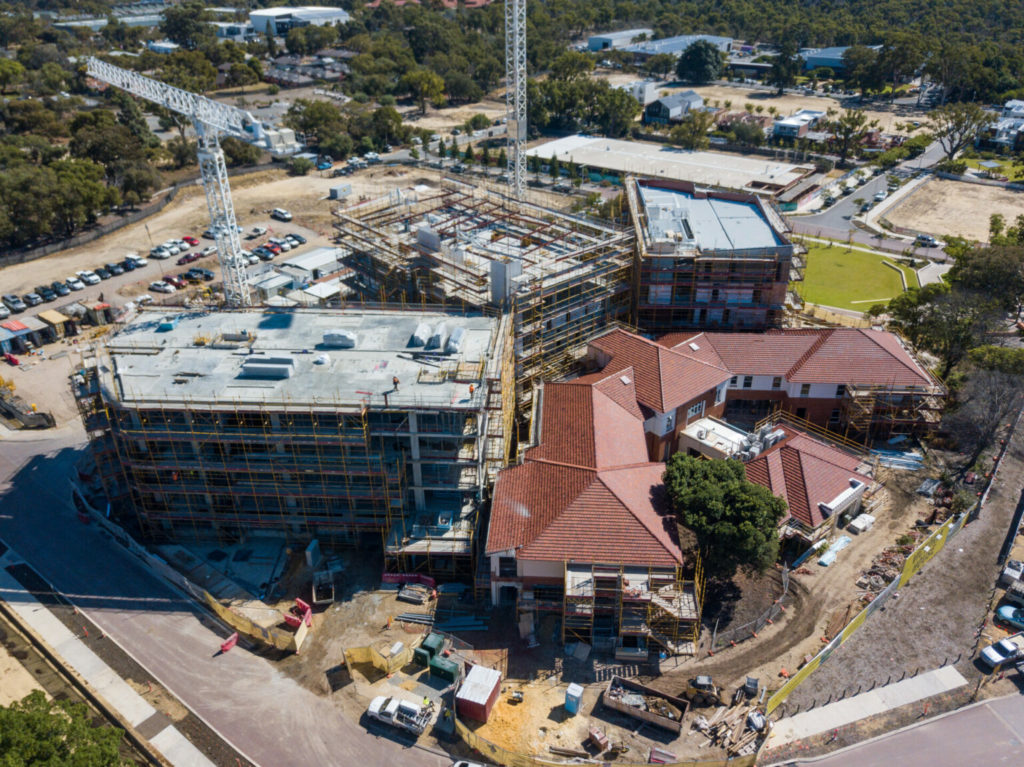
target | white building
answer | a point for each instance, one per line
(613, 40)
(278, 21)
(643, 91)
(162, 46)
(234, 30)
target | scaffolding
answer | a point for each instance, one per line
(630, 606)
(562, 277)
(681, 285)
(881, 412)
(411, 473)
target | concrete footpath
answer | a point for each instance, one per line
(871, 703)
(104, 682)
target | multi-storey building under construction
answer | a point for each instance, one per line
(334, 425)
(560, 277)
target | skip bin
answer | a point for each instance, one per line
(421, 657)
(433, 644)
(444, 668)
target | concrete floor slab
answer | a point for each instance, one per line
(173, 745)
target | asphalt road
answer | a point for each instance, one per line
(988, 734)
(836, 222)
(260, 712)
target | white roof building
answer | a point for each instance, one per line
(278, 21)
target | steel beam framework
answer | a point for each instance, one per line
(515, 94)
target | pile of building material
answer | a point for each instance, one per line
(737, 728)
(414, 594)
(644, 703)
(884, 569)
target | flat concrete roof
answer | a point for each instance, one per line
(157, 359)
(718, 435)
(704, 168)
(707, 224)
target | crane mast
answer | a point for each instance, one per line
(515, 95)
(211, 119)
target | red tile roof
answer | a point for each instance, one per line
(587, 492)
(836, 355)
(805, 472)
(666, 378)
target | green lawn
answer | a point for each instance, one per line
(850, 279)
(1006, 169)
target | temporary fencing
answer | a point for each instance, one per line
(749, 630)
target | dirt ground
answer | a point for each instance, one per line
(937, 615)
(443, 120)
(17, 681)
(941, 206)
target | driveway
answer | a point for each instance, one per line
(260, 712)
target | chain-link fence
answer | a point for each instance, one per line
(737, 634)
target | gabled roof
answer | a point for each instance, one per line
(836, 355)
(805, 472)
(586, 492)
(666, 378)
(591, 424)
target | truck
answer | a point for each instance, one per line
(1015, 593)
(401, 714)
(1004, 652)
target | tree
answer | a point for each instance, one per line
(554, 169)
(660, 64)
(461, 88)
(36, 731)
(987, 400)
(440, 148)
(957, 125)
(700, 63)
(861, 68)
(424, 86)
(1005, 359)
(900, 56)
(187, 24)
(849, 129)
(734, 520)
(692, 131)
(300, 166)
(996, 271)
(316, 120)
(502, 159)
(746, 133)
(237, 152)
(785, 67)
(571, 65)
(11, 73)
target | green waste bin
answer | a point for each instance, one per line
(421, 657)
(444, 668)
(433, 644)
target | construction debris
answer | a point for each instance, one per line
(645, 703)
(736, 729)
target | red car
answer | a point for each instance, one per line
(273, 247)
(188, 258)
(175, 280)
(190, 240)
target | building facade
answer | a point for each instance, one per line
(345, 426)
(706, 259)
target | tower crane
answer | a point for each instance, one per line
(515, 94)
(211, 119)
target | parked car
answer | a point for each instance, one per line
(273, 247)
(297, 237)
(176, 280)
(264, 254)
(209, 250)
(1012, 616)
(128, 265)
(926, 241)
(162, 287)
(4, 312)
(160, 252)
(13, 303)
(102, 273)
(60, 288)
(74, 283)
(171, 247)
(46, 292)
(281, 214)
(136, 259)
(114, 268)
(88, 277)
(192, 275)
(282, 243)
(32, 299)
(190, 239)
(188, 258)
(880, 195)
(257, 231)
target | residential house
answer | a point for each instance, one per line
(798, 124)
(672, 109)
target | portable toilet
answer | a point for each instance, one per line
(573, 696)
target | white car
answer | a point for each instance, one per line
(88, 277)
(252, 259)
(136, 259)
(171, 247)
(74, 283)
(257, 231)
(144, 299)
(880, 195)
(209, 250)
(160, 252)
(162, 287)
(282, 243)
(281, 214)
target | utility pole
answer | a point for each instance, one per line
(515, 95)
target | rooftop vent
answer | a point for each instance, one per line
(456, 340)
(270, 368)
(421, 335)
(625, 380)
(694, 347)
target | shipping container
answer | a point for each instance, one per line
(478, 693)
